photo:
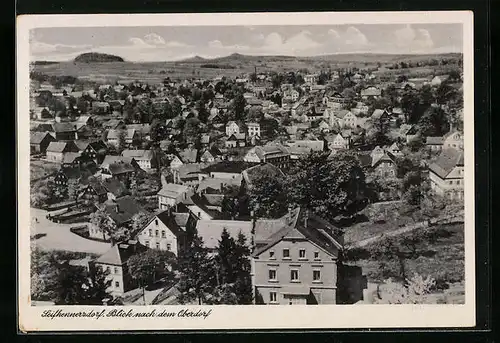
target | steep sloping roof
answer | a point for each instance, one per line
(63, 127)
(121, 167)
(115, 187)
(119, 253)
(113, 134)
(138, 154)
(170, 221)
(449, 159)
(57, 146)
(188, 155)
(311, 227)
(37, 137)
(271, 150)
(123, 209)
(173, 190)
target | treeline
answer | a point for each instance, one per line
(53, 79)
(217, 66)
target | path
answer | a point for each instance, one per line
(59, 236)
(405, 229)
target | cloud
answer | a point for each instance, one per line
(353, 36)
(410, 40)
(298, 44)
(154, 39)
(333, 34)
(41, 48)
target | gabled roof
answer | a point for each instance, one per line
(121, 167)
(378, 113)
(59, 146)
(122, 209)
(169, 219)
(447, 161)
(302, 224)
(115, 187)
(119, 253)
(113, 134)
(138, 154)
(173, 190)
(272, 149)
(70, 157)
(38, 137)
(188, 155)
(386, 157)
(63, 127)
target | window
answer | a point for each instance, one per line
(169, 246)
(273, 297)
(271, 254)
(147, 243)
(156, 233)
(316, 275)
(272, 275)
(162, 233)
(286, 253)
(116, 270)
(294, 275)
(157, 245)
(117, 284)
(156, 222)
(150, 233)
(108, 269)
(302, 253)
(316, 255)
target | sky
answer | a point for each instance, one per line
(170, 43)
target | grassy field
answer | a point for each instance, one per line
(155, 72)
(40, 168)
(443, 260)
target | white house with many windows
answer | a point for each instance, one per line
(163, 233)
(447, 174)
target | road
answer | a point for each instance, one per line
(59, 236)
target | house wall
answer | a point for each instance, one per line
(55, 156)
(97, 233)
(117, 287)
(232, 129)
(157, 235)
(451, 187)
(454, 141)
(325, 288)
(199, 212)
(386, 169)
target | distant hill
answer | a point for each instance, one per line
(333, 58)
(42, 63)
(195, 59)
(95, 57)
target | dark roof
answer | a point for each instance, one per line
(228, 167)
(121, 167)
(115, 187)
(98, 146)
(449, 159)
(98, 187)
(302, 224)
(123, 209)
(169, 219)
(63, 127)
(38, 137)
(77, 173)
(119, 253)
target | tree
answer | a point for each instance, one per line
(103, 221)
(255, 114)
(197, 273)
(121, 140)
(268, 196)
(139, 221)
(242, 267)
(328, 187)
(42, 193)
(434, 122)
(157, 131)
(224, 258)
(445, 93)
(238, 106)
(148, 266)
(176, 107)
(192, 130)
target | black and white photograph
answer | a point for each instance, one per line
(247, 162)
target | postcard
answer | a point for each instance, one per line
(206, 171)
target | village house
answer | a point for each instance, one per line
(340, 142)
(253, 129)
(101, 107)
(172, 194)
(453, 139)
(311, 78)
(296, 260)
(163, 233)
(124, 169)
(434, 144)
(98, 191)
(95, 150)
(57, 150)
(301, 148)
(39, 141)
(380, 115)
(64, 131)
(345, 119)
(273, 153)
(236, 140)
(130, 137)
(335, 101)
(77, 174)
(113, 124)
(447, 174)
(383, 163)
(225, 170)
(114, 262)
(144, 158)
(143, 130)
(232, 128)
(120, 211)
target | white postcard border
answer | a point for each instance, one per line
(247, 316)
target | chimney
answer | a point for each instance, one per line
(306, 217)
